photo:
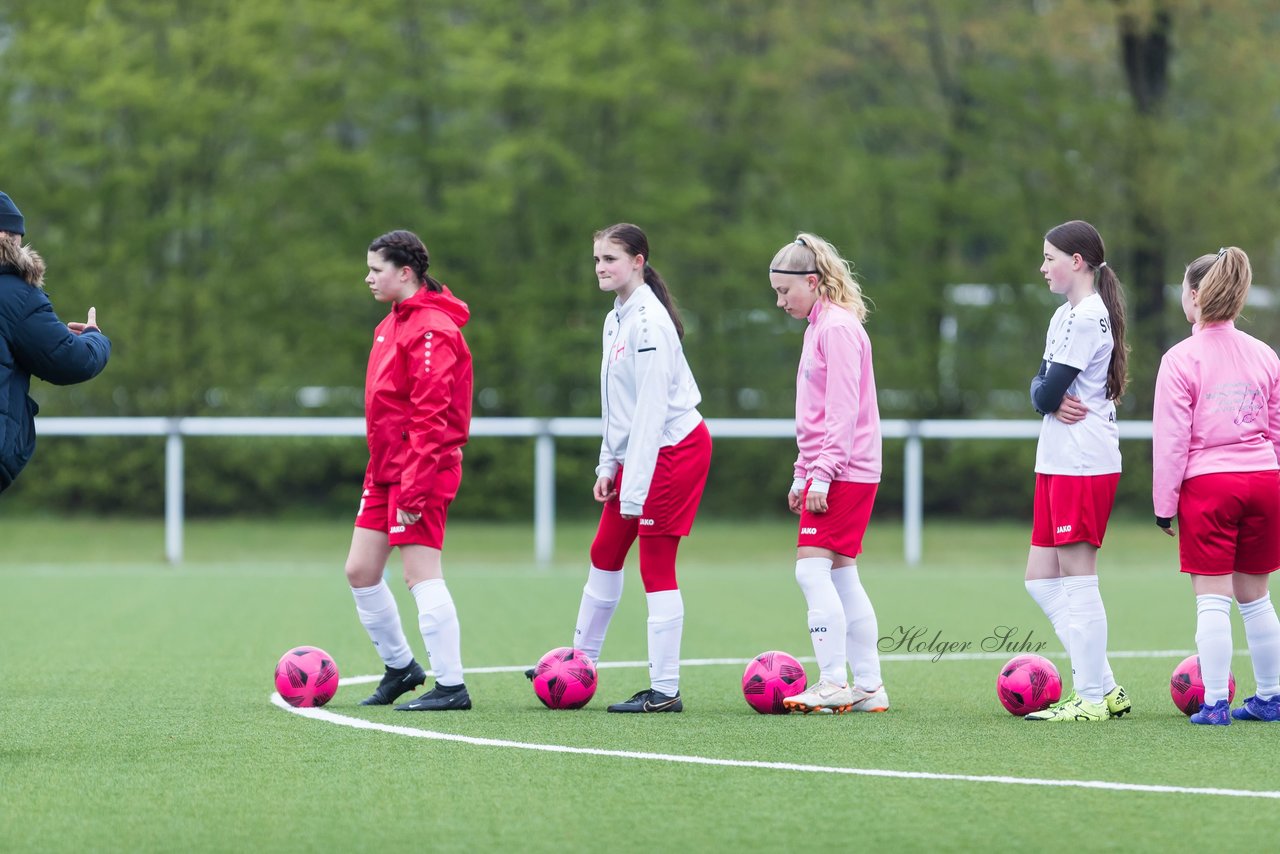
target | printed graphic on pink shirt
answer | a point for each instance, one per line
(1241, 400)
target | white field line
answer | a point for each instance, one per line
(904, 656)
(413, 732)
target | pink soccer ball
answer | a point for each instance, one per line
(306, 676)
(769, 679)
(1187, 687)
(565, 679)
(1028, 683)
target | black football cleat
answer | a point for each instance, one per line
(442, 698)
(530, 673)
(396, 681)
(649, 700)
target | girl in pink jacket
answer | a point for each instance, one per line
(836, 473)
(1216, 451)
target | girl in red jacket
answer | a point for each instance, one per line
(417, 406)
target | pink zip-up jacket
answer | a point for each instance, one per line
(1217, 409)
(837, 420)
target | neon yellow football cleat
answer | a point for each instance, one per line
(1118, 702)
(1076, 709)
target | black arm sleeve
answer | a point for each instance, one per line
(1049, 386)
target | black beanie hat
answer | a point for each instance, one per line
(10, 216)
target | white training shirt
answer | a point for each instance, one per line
(1080, 336)
(648, 397)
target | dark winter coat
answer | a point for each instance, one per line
(33, 341)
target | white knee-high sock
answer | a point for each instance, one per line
(1213, 643)
(377, 610)
(1088, 635)
(438, 622)
(862, 631)
(1052, 599)
(600, 598)
(1049, 594)
(827, 623)
(1262, 630)
(666, 624)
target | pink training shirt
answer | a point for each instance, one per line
(1217, 409)
(837, 420)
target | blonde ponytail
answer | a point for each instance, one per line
(837, 282)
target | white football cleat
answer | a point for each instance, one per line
(870, 701)
(826, 697)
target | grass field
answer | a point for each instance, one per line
(135, 709)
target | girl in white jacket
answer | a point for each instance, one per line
(653, 432)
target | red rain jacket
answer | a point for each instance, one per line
(417, 399)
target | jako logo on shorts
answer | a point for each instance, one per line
(808, 530)
(647, 522)
(397, 529)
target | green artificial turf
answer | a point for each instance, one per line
(135, 708)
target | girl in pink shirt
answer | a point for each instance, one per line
(836, 473)
(1217, 450)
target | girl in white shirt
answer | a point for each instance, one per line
(1082, 374)
(652, 433)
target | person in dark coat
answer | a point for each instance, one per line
(34, 342)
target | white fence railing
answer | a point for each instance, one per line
(544, 432)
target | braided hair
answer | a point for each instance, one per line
(405, 249)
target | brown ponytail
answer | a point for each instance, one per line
(1080, 238)
(634, 242)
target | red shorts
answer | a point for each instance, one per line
(842, 527)
(1230, 522)
(378, 513)
(1072, 508)
(675, 491)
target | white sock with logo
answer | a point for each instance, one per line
(1052, 599)
(1088, 634)
(827, 623)
(666, 624)
(438, 622)
(376, 607)
(1262, 630)
(862, 631)
(600, 598)
(1213, 643)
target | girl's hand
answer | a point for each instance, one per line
(404, 517)
(604, 490)
(816, 502)
(795, 500)
(1071, 410)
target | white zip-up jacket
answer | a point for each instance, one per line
(648, 397)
